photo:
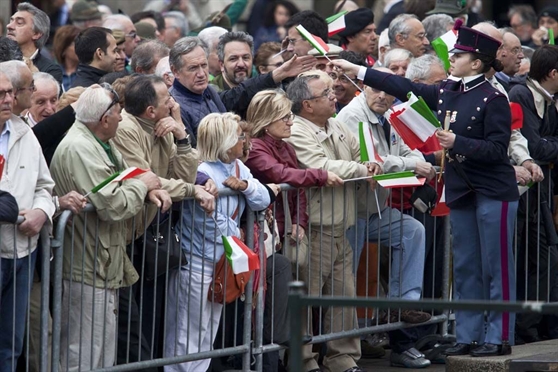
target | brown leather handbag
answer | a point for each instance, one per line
(227, 286)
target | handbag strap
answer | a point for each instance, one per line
(237, 169)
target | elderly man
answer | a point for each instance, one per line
(407, 32)
(405, 233)
(124, 23)
(397, 60)
(30, 27)
(188, 60)
(93, 273)
(436, 25)
(146, 138)
(360, 34)
(86, 14)
(97, 52)
(147, 55)
(210, 36)
(22, 83)
(537, 255)
(44, 99)
(323, 142)
(26, 176)
(510, 54)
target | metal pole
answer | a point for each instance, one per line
(258, 337)
(446, 272)
(247, 336)
(45, 286)
(296, 291)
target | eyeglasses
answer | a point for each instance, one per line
(326, 93)
(132, 34)
(515, 51)
(115, 98)
(3, 94)
(342, 77)
(278, 64)
(421, 36)
(289, 117)
(242, 137)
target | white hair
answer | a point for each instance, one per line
(163, 67)
(210, 36)
(421, 68)
(43, 76)
(397, 54)
(13, 70)
(116, 21)
(92, 104)
(383, 40)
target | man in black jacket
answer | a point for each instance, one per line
(30, 27)
(96, 50)
(537, 278)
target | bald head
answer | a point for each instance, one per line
(488, 29)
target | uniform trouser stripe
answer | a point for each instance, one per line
(505, 272)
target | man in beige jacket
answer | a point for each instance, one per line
(321, 141)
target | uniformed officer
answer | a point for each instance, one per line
(481, 189)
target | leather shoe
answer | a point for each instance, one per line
(370, 351)
(461, 349)
(411, 358)
(487, 350)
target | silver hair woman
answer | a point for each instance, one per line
(189, 329)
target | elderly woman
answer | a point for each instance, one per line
(272, 160)
(192, 319)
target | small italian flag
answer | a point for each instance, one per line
(117, 177)
(241, 258)
(316, 41)
(367, 147)
(416, 124)
(441, 208)
(443, 45)
(336, 23)
(399, 179)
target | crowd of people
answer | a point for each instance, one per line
(178, 91)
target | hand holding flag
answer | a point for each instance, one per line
(117, 177)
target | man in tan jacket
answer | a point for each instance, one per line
(95, 263)
(151, 124)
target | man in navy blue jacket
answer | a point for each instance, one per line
(188, 61)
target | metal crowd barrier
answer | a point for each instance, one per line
(245, 344)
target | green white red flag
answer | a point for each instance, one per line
(443, 45)
(416, 124)
(241, 258)
(367, 148)
(336, 23)
(316, 41)
(399, 179)
(117, 177)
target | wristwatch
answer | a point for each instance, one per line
(184, 141)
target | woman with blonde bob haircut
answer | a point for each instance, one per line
(273, 160)
(189, 329)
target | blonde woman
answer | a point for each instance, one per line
(193, 320)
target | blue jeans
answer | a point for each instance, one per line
(406, 237)
(13, 311)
